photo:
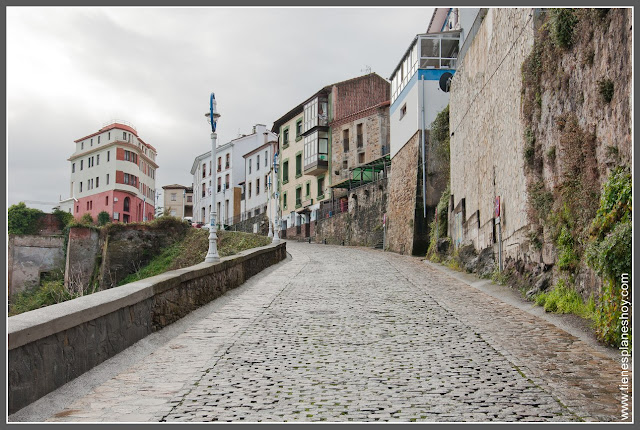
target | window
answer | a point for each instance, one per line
(359, 138)
(107, 179)
(204, 170)
(249, 165)
(266, 183)
(203, 189)
(285, 171)
(361, 158)
(124, 135)
(320, 187)
(97, 181)
(77, 208)
(345, 164)
(80, 186)
(126, 203)
(345, 140)
(298, 165)
(87, 205)
(266, 158)
(257, 186)
(73, 168)
(91, 142)
(298, 197)
(298, 129)
(226, 181)
(81, 145)
(226, 163)
(109, 136)
(174, 197)
(250, 189)
(108, 153)
(284, 200)
(219, 184)
(98, 140)
(403, 111)
(98, 159)
(308, 189)
(106, 200)
(81, 162)
(258, 162)
(219, 163)
(285, 137)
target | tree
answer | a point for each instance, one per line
(23, 220)
(103, 218)
(64, 217)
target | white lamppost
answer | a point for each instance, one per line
(223, 219)
(212, 116)
(276, 226)
(270, 208)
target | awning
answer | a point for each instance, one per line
(365, 173)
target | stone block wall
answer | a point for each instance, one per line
(401, 206)
(487, 132)
(31, 256)
(375, 135)
(361, 225)
(247, 225)
(51, 346)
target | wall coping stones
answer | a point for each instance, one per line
(40, 323)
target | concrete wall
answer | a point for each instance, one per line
(49, 347)
(29, 257)
(487, 132)
(361, 225)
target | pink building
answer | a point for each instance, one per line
(113, 170)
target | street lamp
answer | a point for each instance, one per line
(276, 221)
(212, 118)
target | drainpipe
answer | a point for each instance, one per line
(424, 161)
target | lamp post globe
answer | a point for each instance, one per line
(212, 116)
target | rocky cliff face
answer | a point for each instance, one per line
(576, 108)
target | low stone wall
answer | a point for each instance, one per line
(51, 346)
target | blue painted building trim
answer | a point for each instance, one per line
(426, 75)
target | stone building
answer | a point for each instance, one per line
(420, 86)
(340, 126)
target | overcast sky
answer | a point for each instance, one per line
(71, 70)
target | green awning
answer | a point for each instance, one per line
(364, 174)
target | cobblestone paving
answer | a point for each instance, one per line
(344, 334)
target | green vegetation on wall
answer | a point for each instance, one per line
(588, 227)
(23, 220)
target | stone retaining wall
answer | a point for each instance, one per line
(51, 346)
(31, 256)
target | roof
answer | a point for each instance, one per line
(174, 186)
(259, 148)
(121, 127)
(326, 89)
(438, 18)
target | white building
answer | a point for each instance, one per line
(257, 168)
(112, 170)
(230, 172)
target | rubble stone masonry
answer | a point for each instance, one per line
(401, 205)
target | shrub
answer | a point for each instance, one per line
(23, 220)
(565, 300)
(86, 218)
(567, 256)
(562, 23)
(103, 218)
(65, 218)
(605, 87)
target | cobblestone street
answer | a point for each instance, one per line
(352, 334)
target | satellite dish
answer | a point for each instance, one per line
(445, 81)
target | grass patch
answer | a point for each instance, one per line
(193, 249)
(565, 300)
(49, 293)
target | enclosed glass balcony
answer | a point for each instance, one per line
(316, 153)
(316, 114)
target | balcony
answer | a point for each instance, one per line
(316, 156)
(316, 115)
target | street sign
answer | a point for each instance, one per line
(497, 207)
